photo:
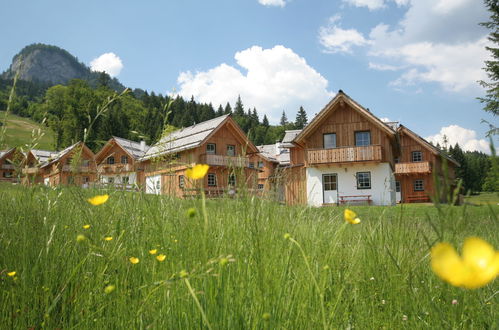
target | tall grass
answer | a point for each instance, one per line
(368, 276)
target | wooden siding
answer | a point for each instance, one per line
(344, 155)
(412, 168)
(295, 185)
(221, 160)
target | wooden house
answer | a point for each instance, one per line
(35, 158)
(118, 163)
(219, 143)
(10, 162)
(74, 165)
(417, 168)
(270, 159)
(344, 155)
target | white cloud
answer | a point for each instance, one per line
(277, 3)
(272, 80)
(109, 63)
(370, 4)
(466, 138)
(338, 40)
(383, 67)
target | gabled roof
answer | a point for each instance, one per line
(331, 107)
(57, 156)
(4, 153)
(136, 150)
(426, 144)
(193, 137)
(43, 156)
(289, 136)
(268, 151)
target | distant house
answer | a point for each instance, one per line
(344, 155)
(72, 166)
(35, 158)
(218, 142)
(8, 160)
(118, 163)
(417, 166)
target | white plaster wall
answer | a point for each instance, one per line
(153, 184)
(382, 182)
(132, 178)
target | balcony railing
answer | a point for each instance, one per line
(115, 168)
(7, 166)
(70, 168)
(30, 170)
(345, 154)
(220, 160)
(410, 168)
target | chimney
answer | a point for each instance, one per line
(142, 145)
(278, 148)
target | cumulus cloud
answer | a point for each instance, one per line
(272, 80)
(338, 40)
(466, 138)
(109, 63)
(276, 3)
(375, 4)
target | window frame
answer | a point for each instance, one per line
(251, 164)
(356, 140)
(261, 186)
(260, 164)
(213, 176)
(398, 187)
(416, 183)
(124, 157)
(324, 140)
(231, 180)
(415, 159)
(360, 184)
(209, 151)
(181, 181)
(229, 148)
(332, 184)
(110, 160)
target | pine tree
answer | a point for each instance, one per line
(265, 121)
(301, 118)
(220, 111)
(284, 119)
(228, 109)
(491, 99)
(239, 108)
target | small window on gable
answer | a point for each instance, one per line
(212, 180)
(260, 186)
(329, 140)
(362, 138)
(211, 148)
(417, 156)
(418, 185)
(363, 180)
(231, 150)
(110, 160)
(251, 165)
(124, 159)
(260, 164)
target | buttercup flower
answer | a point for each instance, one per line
(478, 265)
(11, 274)
(160, 257)
(351, 217)
(110, 288)
(134, 260)
(98, 200)
(80, 238)
(86, 226)
(108, 238)
(197, 172)
(153, 251)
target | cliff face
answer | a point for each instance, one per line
(53, 65)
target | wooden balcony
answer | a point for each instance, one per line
(413, 168)
(220, 160)
(345, 155)
(7, 166)
(30, 170)
(78, 169)
(115, 168)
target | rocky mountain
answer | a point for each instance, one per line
(53, 65)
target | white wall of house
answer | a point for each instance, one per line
(117, 178)
(153, 184)
(382, 189)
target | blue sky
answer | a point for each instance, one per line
(413, 61)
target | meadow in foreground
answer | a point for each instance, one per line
(139, 261)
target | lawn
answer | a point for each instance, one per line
(484, 198)
(20, 131)
(233, 269)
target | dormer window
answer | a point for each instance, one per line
(211, 148)
(417, 156)
(362, 138)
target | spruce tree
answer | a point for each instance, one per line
(265, 121)
(284, 119)
(228, 109)
(301, 118)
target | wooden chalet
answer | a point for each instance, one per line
(118, 163)
(10, 162)
(269, 161)
(345, 155)
(72, 166)
(35, 158)
(418, 166)
(218, 142)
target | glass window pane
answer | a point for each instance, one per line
(362, 138)
(329, 140)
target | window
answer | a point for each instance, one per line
(418, 185)
(124, 159)
(125, 180)
(260, 164)
(231, 150)
(251, 164)
(7, 174)
(110, 180)
(86, 179)
(110, 160)
(363, 180)
(329, 181)
(69, 160)
(212, 180)
(397, 160)
(232, 179)
(329, 140)
(158, 184)
(85, 163)
(362, 138)
(417, 156)
(397, 186)
(260, 186)
(211, 148)
(181, 181)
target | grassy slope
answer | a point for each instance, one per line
(484, 198)
(374, 275)
(19, 132)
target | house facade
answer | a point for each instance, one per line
(118, 163)
(344, 155)
(219, 143)
(417, 167)
(8, 161)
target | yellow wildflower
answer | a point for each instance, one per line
(224, 261)
(191, 212)
(197, 172)
(266, 316)
(86, 226)
(351, 217)
(80, 238)
(287, 236)
(11, 274)
(110, 288)
(160, 257)
(183, 274)
(98, 200)
(153, 251)
(108, 238)
(478, 265)
(134, 260)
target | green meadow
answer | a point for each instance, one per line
(234, 269)
(19, 130)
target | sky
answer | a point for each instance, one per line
(412, 61)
